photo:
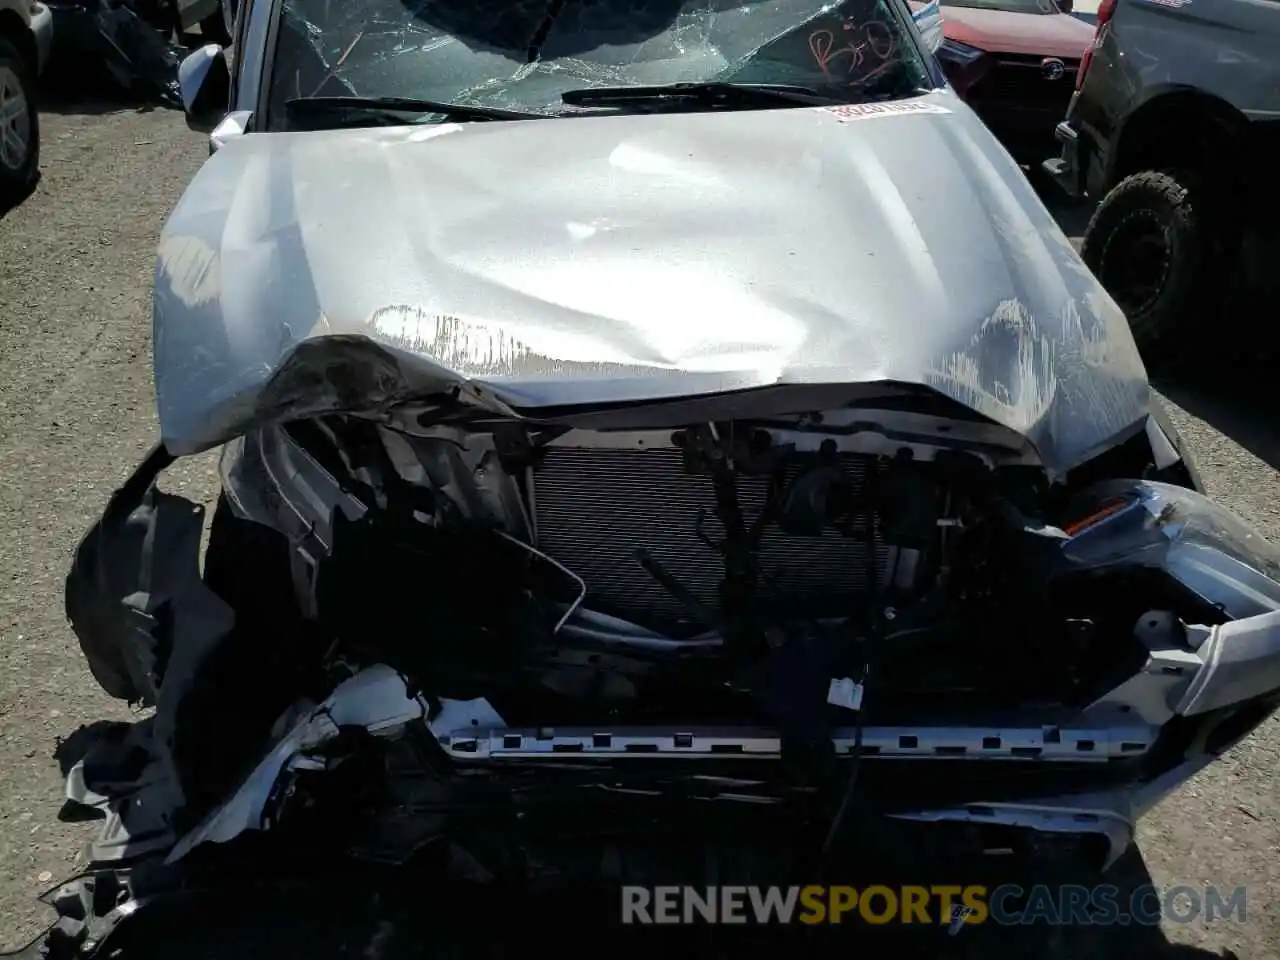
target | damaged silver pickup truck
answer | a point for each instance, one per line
(658, 443)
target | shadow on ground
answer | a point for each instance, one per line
(1234, 399)
(1072, 215)
(9, 206)
(90, 89)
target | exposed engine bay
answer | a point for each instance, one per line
(431, 633)
(714, 573)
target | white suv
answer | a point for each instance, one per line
(26, 32)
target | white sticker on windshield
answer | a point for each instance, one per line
(845, 112)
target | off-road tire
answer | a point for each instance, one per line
(17, 184)
(1186, 207)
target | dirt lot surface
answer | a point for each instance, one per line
(76, 413)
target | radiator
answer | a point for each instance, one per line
(596, 507)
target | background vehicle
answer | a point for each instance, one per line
(26, 31)
(1014, 62)
(1180, 142)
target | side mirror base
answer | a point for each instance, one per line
(204, 81)
(234, 124)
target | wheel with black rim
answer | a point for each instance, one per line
(1151, 244)
(19, 126)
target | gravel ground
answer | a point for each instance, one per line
(76, 413)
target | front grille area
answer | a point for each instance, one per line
(1021, 106)
(1020, 81)
(595, 508)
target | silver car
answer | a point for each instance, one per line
(657, 441)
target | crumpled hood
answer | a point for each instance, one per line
(626, 258)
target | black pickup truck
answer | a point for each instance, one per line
(1175, 128)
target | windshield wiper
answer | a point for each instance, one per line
(386, 110)
(885, 87)
(712, 94)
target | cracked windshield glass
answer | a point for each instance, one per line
(523, 56)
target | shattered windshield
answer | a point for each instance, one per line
(523, 54)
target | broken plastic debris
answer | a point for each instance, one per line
(959, 916)
(376, 698)
(844, 692)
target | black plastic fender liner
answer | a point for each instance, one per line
(134, 586)
(101, 569)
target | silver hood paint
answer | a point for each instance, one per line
(623, 258)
